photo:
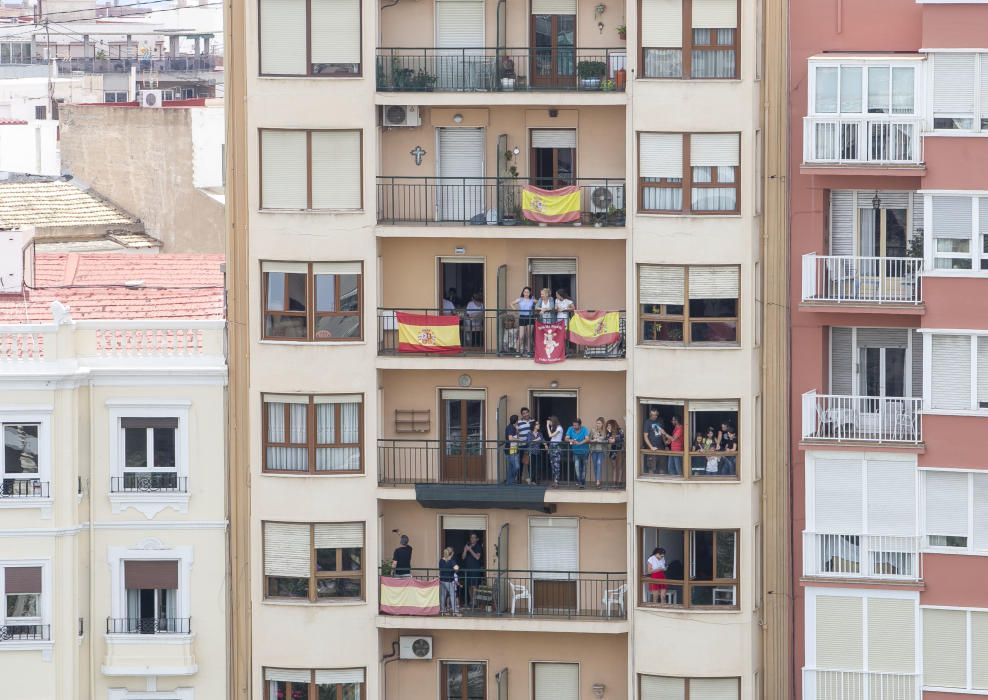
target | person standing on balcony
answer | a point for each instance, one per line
(526, 319)
(598, 447)
(447, 582)
(615, 440)
(577, 436)
(473, 565)
(449, 303)
(536, 453)
(511, 442)
(652, 434)
(524, 440)
(656, 566)
(727, 441)
(475, 320)
(401, 560)
(555, 435)
(675, 443)
(546, 306)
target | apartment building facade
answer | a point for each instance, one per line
(112, 378)
(889, 355)
(398, 175)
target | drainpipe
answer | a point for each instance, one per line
(385, 660)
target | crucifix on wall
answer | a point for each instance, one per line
(418, 152)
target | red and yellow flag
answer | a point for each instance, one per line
(434, 334)
(408, 596)
(551, 206)
(595, 328)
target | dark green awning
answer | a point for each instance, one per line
(482, 496)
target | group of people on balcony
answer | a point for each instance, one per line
(458, 575)
(528, 446)
(547, 308)
(707, 442)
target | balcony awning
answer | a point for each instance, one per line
(520, 496)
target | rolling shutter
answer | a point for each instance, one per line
(476, 523)
(554, 547)
(714, 282)
(983, 369)
(339, 675)
(979, 650)
(291, 675)
(891, 498)
(338, 535)
(552, 266)
(337, 268)
(557, 681)
(952, 217)
(336, 170)
(335, 31)
(837, 493)
(660, 155)
(715, 14)
(841, 361)
(951, 363)
(22, 579)
(662, 24)
(553, 138)
(944, 648)
(553, 7)
(714, 689)
(917, 364)
(661, 284)
(891, 635)
(288, 267)
(839, 633)
(287, 550)
(284, 175)
(663, 688)
(461, 153)
(150, 574)
(883, 337)
(338, 398)
(983, 88)
(157, 423)
(718, 406)
(283, 37)
(459, 24)
(980, 511)
(946, 503)
(715, 149)
(953, 83)
(842, 213)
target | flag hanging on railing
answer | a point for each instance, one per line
(595, 328)
(422, 333)
(551, 206)
(550, 342)
(409, 596)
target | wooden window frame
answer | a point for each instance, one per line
(312, 690)
(687, 454)
(310, 444)
(687, 48)
(686, 682)
(308, 48)
(315, 574)
(687, 184)
(310, 314)
(308, 169)
(686, 584)
(686, 320)
(444, 664)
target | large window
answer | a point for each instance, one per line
(689, 173)
(21, 593)
(958, 370)
(960, 91)
(955, 649)
(688, 305)
(863, 88)
(464, 680)
(20, 467)
(957, 235)
(310, 37)
(314, 169)
(313, 434)
(688, 568)
(312, 301)
(689, 439)
(15, 52)
(149, 455)
(314, 684)
(151, 590)
(957, 511)
(321, 561)
(690, 38)
(673, 688)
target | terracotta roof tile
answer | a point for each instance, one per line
(55, 203)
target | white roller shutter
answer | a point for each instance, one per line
(554, 547)
(714, 282)
(891, 497)
(553, 138)
(953, 83)
(660, 155)
(557, 681)
(980, 494)
(944, 648)
(715, 14)
(951, 363)
(465, 522)
(662, 24)
(983, 366)
(280, 266)
(284, 173)
(952, 217)
(286, 398)
(283, 37)
(979, 650)
(984, 85)
(553, 7)
(335, 31)
(461, 153)
(459, 24)
(839, 633)
(946, 503)
(842, 214)
(287, 550)
(552, 266)
(291, 675)
(339, 675)
(338, 398)
(719, 406)
(715, 149)
(337, 268)
(663, 688)
(837, 494)
(336, 170)
(661, 284)
(714, 689)
(891, 635)
(339, 535)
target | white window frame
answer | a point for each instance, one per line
(863, 63)
(970, 549)
(973, 408)
(150, 549)
(44, 607)
(976, 254)
(42, 415)
(969, 656)
(979, 109)
(177, 694)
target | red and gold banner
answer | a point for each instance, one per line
(558, 206)
(434, 334)
(409, 596)
(595, 328)
(550, 342)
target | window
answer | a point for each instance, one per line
(688, 568)
(464, 680)
(315, 38)
(960, 91)
(115, 96)
(15, 52)
(672, 688)
(21, 468)
(957, 511)
(333, 447)
(959, 373)
(151, 591)
(555, 681)
(149, 455)
(689, 173)
(318, 684)
(21, 614)
(312, 301)
(958, 232)
(709, 317)
(863, 88)
(700, 435)
(955, 649)
(303, 170)
(40, 112)
(690, 38)
(321, 561)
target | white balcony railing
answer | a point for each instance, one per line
(861, 418)
(891, 557)
(870, 280)
(870, 139)
(819, 684)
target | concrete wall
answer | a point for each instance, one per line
(142, 160)
(30, 148)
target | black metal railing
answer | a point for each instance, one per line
(521, 593)
(492, 201)
(24, 633)
(148, 625)
(156, 482)
(494, 332)
(24, 488)
(410, 461)
(501, 69)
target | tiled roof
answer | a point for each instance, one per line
(12, 122)
(92, 285)
(56, 203)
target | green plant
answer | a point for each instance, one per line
(589, 70)
(423, 81)
(622, 31)
(385, 567)
(914, 248)
(608, 85)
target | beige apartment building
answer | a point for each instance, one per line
(398, 174)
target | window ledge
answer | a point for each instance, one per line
(696, 480)
(679, 610)
(659, 215)
(262, 76)
(282, 602)
(44, 647)
(25, 502)
(150, 503)
(149, 639)
(962, 551)
(690, 81)
(692, 346)
(311, 211)
(303, 343)
(976, 274)
(954, 412)
(956, 134)
(296, 475)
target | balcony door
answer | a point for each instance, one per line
(553, 274)
(553, 42)
(553, 158)
(462, 438)
(882, 233)
(460, 64)
(460, 193)
(554, 562)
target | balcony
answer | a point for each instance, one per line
(862, 281)
(873, 419)
(853, 556)
(17, 489)
(160, 482)
(14, 633)
(819, 684)
(148, 625)
(149, 646)
(872, 140)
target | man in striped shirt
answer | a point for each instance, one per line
(524, 428)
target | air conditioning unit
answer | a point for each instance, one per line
(401, 115)
(151, 98)
(602, 198)
(415, 648)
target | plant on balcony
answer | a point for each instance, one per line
(423, 82)
(506, 73)
(385, 567)
(622, 32)
(914, 247)
(608, 86)
(615, 216)
(510, 212)
(591, 73)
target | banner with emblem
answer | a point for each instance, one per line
(551, 206)
(550, 342)
(595, 328)
(432, 334)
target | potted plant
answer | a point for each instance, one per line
(622, 32)
(510, 209)
(423, 82)
(615, 216)
(608, 85)
(506, 72)
(591, 73)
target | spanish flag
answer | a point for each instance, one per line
(433, 334)
(595, 328)
(409, 596)
(551, 206)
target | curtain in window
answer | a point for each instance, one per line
(325, 423)
(663, 198)
(714, 198)
(338, 458)
(663, 63)
(868, 246)
(288, 458)
(713, 63)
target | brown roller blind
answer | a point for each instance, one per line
(149, 423)
(22, 579)
(150, 574)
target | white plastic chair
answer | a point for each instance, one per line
(520, 593)
(615, 595)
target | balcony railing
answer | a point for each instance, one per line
(24, 488)
(525, 594)
(894, 557)
(24, 633)
(861, 418)
(148, 625)
(501, 69)
(179, 64)
(819, 684)
(159, 482)
(492, 333)
(866, 140)
(404, 462)
(870, 280)
(490, 201)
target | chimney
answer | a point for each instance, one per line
(12, 242)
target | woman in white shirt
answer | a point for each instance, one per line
(475, 320)
(657, 570)
(545, 306)
(554, 431)
(564, 305)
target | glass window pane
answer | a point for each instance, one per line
(953, 245)
(826, 90)
(349, 292)
(903, 84)
(953, 263)
(296, 292)
(702, 552)
(164, 448)
(325, 292)
(326, 560)
(22, 605)
(850, 89)
(135, 447)
(280, 587)
(20, 443)
(338, 588)
(878, 90)
(276, 291)
(725, 555)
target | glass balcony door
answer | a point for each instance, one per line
(554, 52)
(463, 436)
